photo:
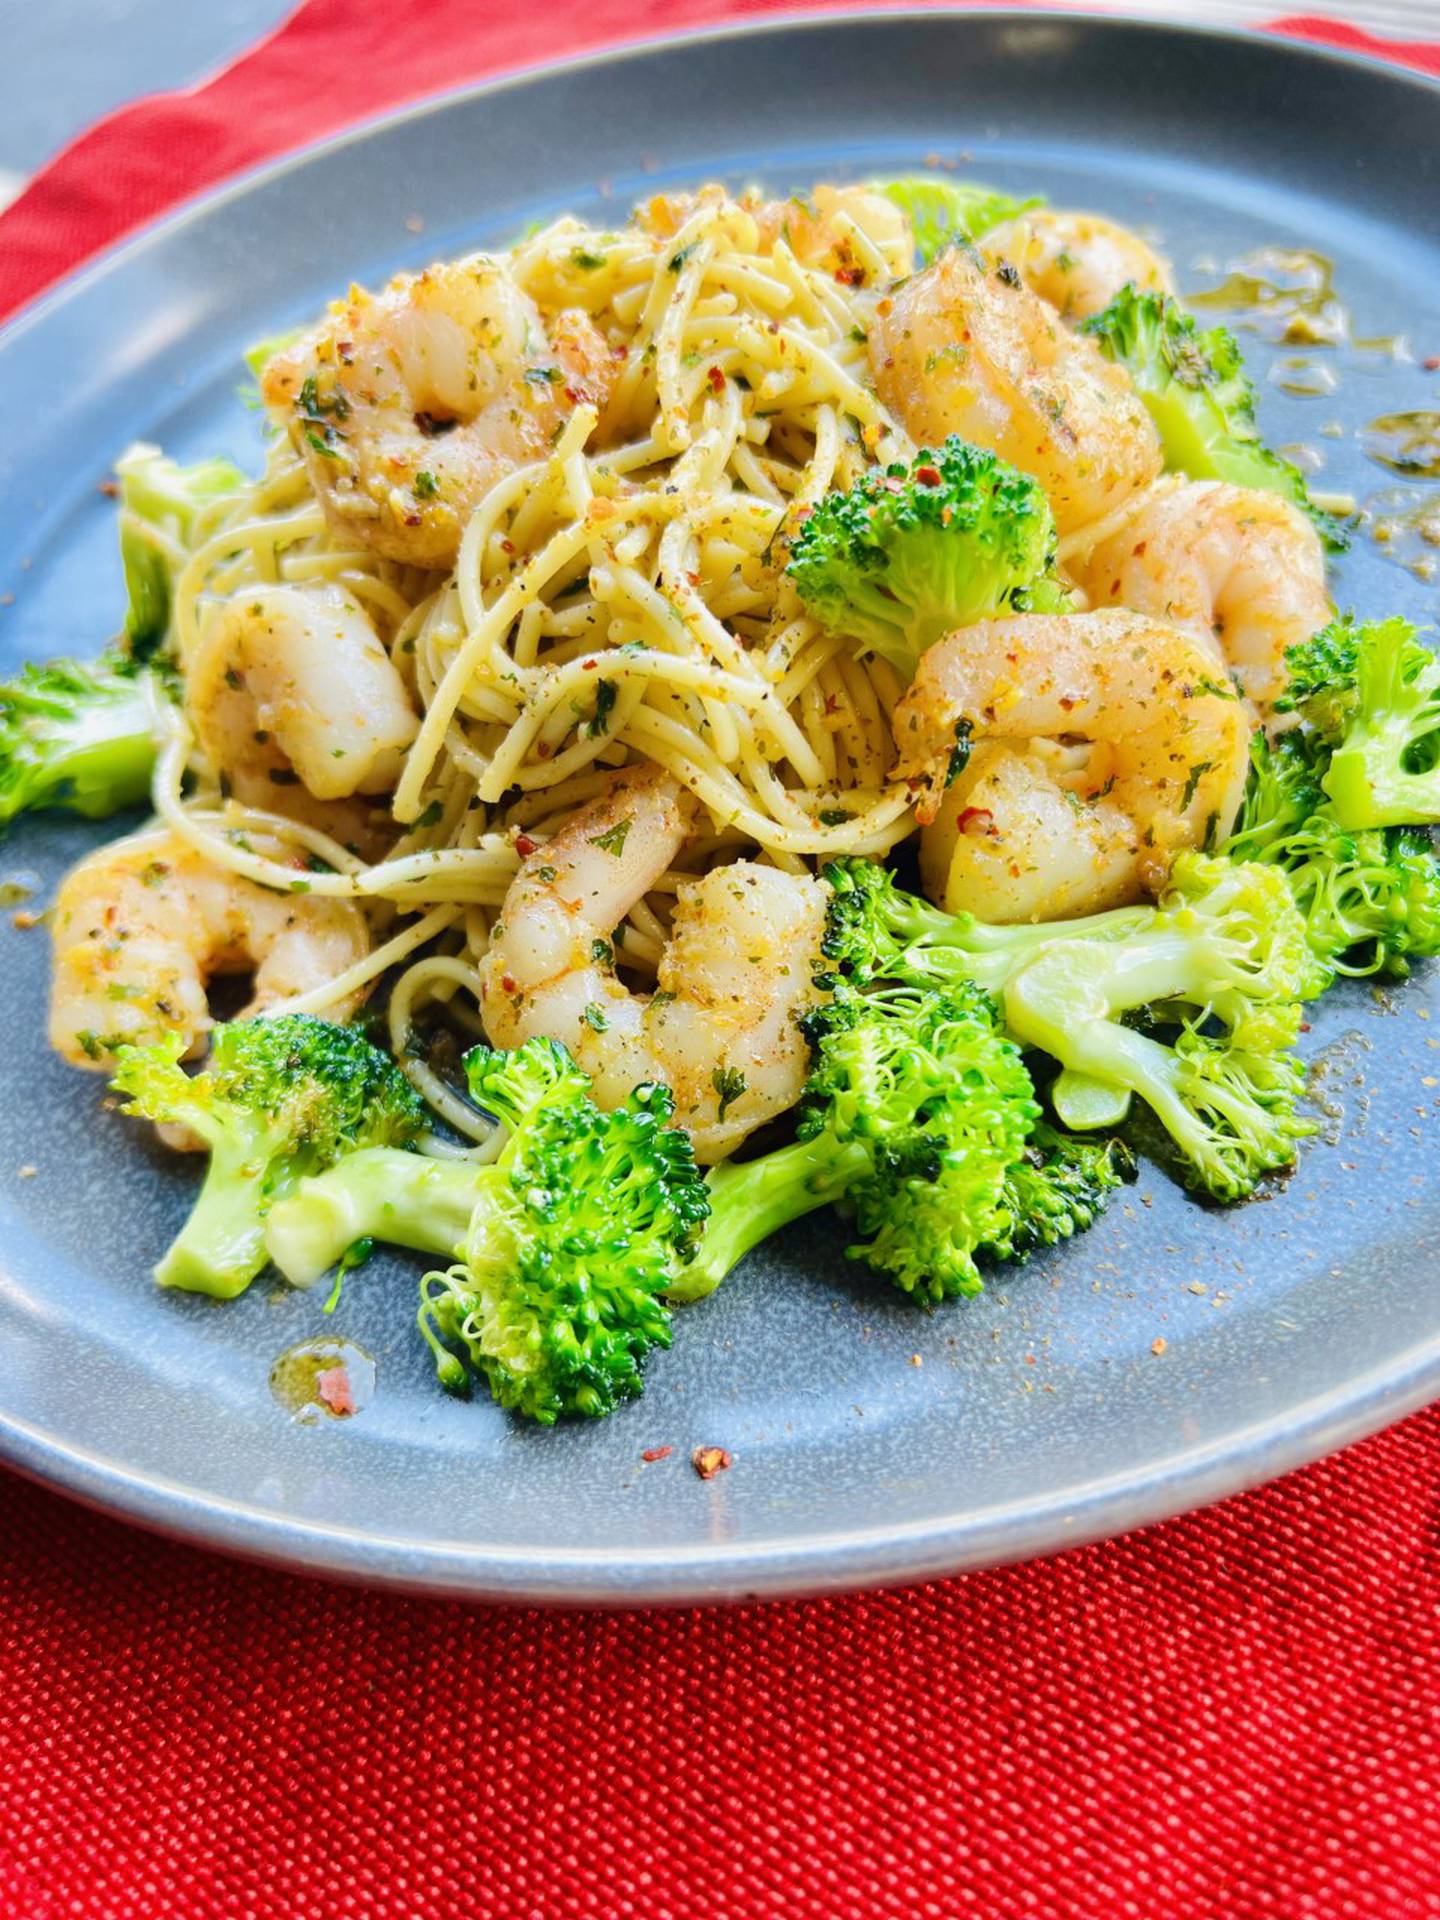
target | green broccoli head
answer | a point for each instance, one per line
(1255, 948)
(77, 735)
(162, 505)
(1200, 397)
(1058, 1187)
(578, 1230)
(276, 1101)
(943, 211)
(907, 554)
(1370, 900)
(940, 1101)
(1223, 964)
(1371, 690)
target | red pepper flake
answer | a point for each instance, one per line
(507, 983)
(110, 489)
(657, 1453)
(332, 1386)
(716, 379)
(708, 1461)
(928, 476)
(524, 845)
(977, 820)
(850, 276)
(1431, 363)
(412, 519)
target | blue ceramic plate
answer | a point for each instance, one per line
(872, 1442)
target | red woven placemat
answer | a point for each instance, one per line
(1234, 1715)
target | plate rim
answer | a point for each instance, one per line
(837, 1561)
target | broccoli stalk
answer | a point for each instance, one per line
(1370, 900)
(1371, 691)
(874, 929)
(943, 211)
(160, 505)
(907, 554)
(77, 736)
(1199, 396)
(277, 1100)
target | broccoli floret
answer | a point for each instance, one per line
(160, 504)
(1370, 900)
(77, 735)
(277, 1100)
(1057, 1188)
(1200, 397)
(916, 1112)
(1225, 961)
(907, 554)
(561, 1250)
(577, 1230)
(942, 211)
(1371, 691)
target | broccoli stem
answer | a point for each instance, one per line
(751, 1201)
(955, 947)
(221, 1247)
(379, 1193)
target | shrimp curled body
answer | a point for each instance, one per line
(408, 405)
(964, 347)
(1103, 745)
(1077, 261)
(1242, 570)
(296, 677)
(141, 926)
(721, 1032)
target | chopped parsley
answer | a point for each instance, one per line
(729, 1083)
(613, 839)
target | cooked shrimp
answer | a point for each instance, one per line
(142, 926)
(296, 677)
(1243, 571)
(856, 234)
(1104, 744)
(721, 1031)
(963, 347)
(821, 227)
(409, 404)
(1076, 261)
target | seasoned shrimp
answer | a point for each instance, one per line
(721, 1031)
(1103, 745)
(141, 926)
(1244, 571)
(1076, 261)
(296, 677)
(821, 228)
(409, 404)
(963, 347)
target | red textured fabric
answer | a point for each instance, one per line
(1233, 1716)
